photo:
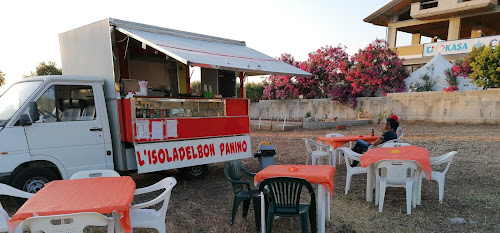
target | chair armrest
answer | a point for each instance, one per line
(241, 182)
(154, 201)
(251, 174)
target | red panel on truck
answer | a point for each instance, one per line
(237, 107)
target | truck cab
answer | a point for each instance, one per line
(52, 127)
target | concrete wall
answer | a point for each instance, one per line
(481, 106)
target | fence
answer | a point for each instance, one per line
(482, 106)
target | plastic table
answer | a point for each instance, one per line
(315, 174)
(372, 156)
(337, 142)
(105, 195)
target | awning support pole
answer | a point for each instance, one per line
(242, 85)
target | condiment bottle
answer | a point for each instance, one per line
(373, 133)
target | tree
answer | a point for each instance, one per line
(2, 78)
(195, 87)
(255, 91)
(377, 68)
(485, 66)
(43, 68)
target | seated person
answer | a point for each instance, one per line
(390, 126)
(399, 130)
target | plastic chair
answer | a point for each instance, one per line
(396, 173)
(232, 172)
(350, 155)
(382, 144)
(440, 176)
(395, 144)
(285, 193)
(331, 135)
(13, 192)
(67, 223)
(151, 218)
(400, 136)
(316, 151)
(94, 173)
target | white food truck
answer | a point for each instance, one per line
(94, 116)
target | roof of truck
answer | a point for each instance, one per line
(64, 78)
(206, 51)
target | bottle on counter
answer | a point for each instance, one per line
(145, 111)
(373, 133)
(138, 113)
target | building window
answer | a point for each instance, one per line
(426, 4)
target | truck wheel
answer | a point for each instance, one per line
(195, 172)
(31, 180)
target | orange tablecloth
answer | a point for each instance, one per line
(418, 154)
(102, 195)
(337, 142)
(316, 174)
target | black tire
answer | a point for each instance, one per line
(32, 180)
(195, 172)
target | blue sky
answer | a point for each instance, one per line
(30, 28)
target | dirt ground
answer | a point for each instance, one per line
(471, 192)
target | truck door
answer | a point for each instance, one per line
(70, 128)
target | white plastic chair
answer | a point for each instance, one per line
(331, 135)
(395, 144)
(350, 155)
(396, 173)
(382, 144)
(13, 192)
(68, 223)
(440, 176)
(316, 151)
(94, 173)
(150, 218)
(400, 136)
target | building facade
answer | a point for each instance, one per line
(454, 26)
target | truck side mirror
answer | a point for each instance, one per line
(33, 109)
(24, 120)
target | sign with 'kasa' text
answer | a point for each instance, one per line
(459, 46)
(185, 153)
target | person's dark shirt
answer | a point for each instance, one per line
(389, 135)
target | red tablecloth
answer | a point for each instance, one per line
(337, 142)
(102, 195)
(316, 174)
(418, 154)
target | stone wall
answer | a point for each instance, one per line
(481, 106)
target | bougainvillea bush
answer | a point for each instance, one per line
(279, 86)
(375, 69)
(326, 66)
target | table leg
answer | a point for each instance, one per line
(321, 208)
(419, 187)
(370, 179)
(118, 225)
(262, 213)
(328, 201)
